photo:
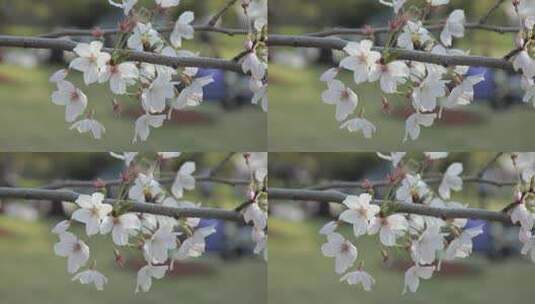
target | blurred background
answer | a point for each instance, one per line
(228, 273)
(299, 273)
(25, 91)
(497, 119)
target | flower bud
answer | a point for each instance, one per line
(248, 44)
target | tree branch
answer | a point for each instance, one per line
(71, 196)
(69, 45)
(339, 44)
(332, 196)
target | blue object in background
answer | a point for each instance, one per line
(217, 90)
(483, 242)
(216, 241)
(486, 89)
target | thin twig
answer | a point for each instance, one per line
(491, 10)
(385, 183)
(432, 27)
(114, 182)
(221, 12)
(221, 165)
(489, 164)
(164, 29)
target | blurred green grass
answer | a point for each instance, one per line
(299, 121)
(39, 124)
(298, 273)
(31, 273)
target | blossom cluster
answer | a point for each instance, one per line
(428, 87)
(428, 240)
(160, 239)
(157, 88)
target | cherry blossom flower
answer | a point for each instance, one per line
(183, 29)
(390, 75)
(127, 157)
(461, 247)
(74, 249)
(359, 277)
(529, 247)
(395, 4)
(521, 214)
(120, 76)
(253, 213)
(451, 180)
(167, 3)
(144, 37)
(61, 227)
(359, 212)
(361, 59)
(184, 179)
(394, 157)
(90, 61)
(389, 228)
(454, 27)
(436, 155)
(91, 276)
(193, 94)
(146, 274)
(463, 94)
(120, 227)
(343, 97)
(89, 125)
(329, 228)
(413, 123)
(145, 188)
(92, 211)
(360, 124)
(259, 90)
(251, 63)
(423, 250)
(195, 245)
(342, 250)
(143, 124)
(125, 5)
(413, 33)
(424, 96)
(414, 274)
(528, 86)
(412, 189)
(438, 2)
(156, 248)
(260, 238)
(525, 63)
(72, 98)
(154, 97)
(329, 75)
(168, 155)
(59, 75)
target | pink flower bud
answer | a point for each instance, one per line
(251, 195)
(248, 44)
